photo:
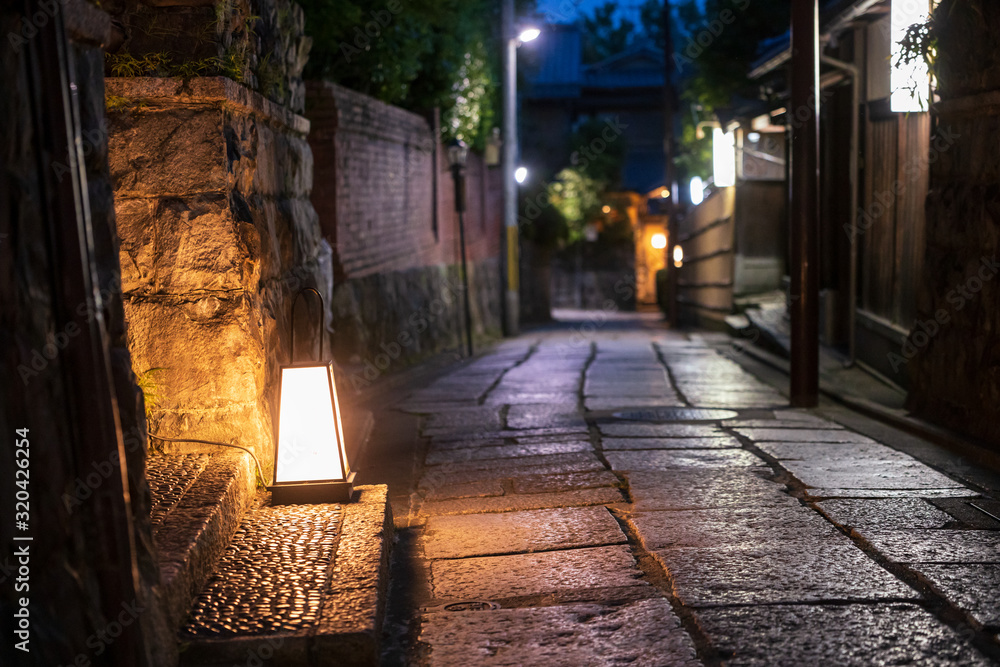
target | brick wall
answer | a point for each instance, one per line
(385, 199)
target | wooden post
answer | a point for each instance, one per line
(803, 116)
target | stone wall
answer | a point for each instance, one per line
(385, 199)
(953, 349)
(212, 187)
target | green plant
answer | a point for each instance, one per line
(124, 64)
(150, 386)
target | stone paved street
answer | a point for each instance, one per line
(622, 494)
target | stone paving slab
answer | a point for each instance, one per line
(693, 488)
(885, 514)
(640, 430)
(565, 482)
(830, 451)
(543, 415)
(462, 419)
(525, 501)
(954, 492)
(936, 546)
(808, 569)
(478, 489)
(868, 475)
(500, 577)
(473, 437)
(729, 527)
(645, 632)
(467, 535)
(853, 635)
(521, 462)
(803, 435)
(719, 442)
(595, 404)
(682, 458)
(514, 397)
(505, 452)
(440, 475)
(974, 588)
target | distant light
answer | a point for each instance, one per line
(724, 158)
(909, 83)
(659, 241)
(606, 209)
(520, 174)
(529, 34)
(697, 190)
(678, 256)
(753, 137)
(664, 193)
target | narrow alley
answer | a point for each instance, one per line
(610, 492)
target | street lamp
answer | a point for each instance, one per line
(520, 174)
(512, 39)
(458, 153)
(310, 455)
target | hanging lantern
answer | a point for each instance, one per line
(310, 457)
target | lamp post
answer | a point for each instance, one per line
(310, 455)
(512, 39)
(458, 153)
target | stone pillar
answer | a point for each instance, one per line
(212, 184)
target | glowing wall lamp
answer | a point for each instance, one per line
(724, 157)
(310, 457)
(678, 256)
(528, 34)
(697, 190)
(659, 241)
(910, 81)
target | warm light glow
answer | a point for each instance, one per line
(529, 34)
(659, 241)
(606, 209)
(310, 440)
(678, 256)
(520, 174)
(724, 157)
(697, 190)
(664, 193)
(910, 83)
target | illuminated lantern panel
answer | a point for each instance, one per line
(659, 241)
(311, 459)
(724, 157)
(678, 256)
(697, 190)
(910, 83)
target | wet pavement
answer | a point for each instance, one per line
(565, 500)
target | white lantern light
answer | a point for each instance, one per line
(310, 458)
(724, 157)
(697, 190)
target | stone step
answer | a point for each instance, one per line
(198, 501)
(299, 585)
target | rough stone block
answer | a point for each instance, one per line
(645, 632)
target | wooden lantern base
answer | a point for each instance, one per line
(312, 493)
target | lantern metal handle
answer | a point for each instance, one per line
(322, 310)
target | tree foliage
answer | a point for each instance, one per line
(603, 36)
(418, 54)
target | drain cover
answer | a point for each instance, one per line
(676, 414)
